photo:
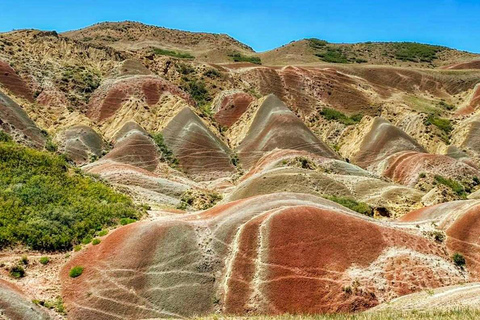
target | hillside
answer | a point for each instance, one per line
(134, 36)
(408, 54)
(152, 173)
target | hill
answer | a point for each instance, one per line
(310, 51)
(135, 36)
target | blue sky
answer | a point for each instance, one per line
(265, 25)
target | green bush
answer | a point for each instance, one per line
(24, 260)
(456, 186)
(96, 241)
(175, 54)
(443, 124)
(102, 233)
(212, 73)
(415, 52)
(166, 153)
(50, 146)
(46, 205)
(197, 90)
(446, 106)
(332, 114)
(317, 43)
(458, 259)
(44, 260)
(17, 272)
(4, 137)
(125, 221)
(333, 55)
(359, 207)
(238, 57)
(75, 272)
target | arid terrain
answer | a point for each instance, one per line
(153, 173)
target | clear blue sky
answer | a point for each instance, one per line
(265, 25)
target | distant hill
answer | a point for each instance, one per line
(135, 36)
(310, 51)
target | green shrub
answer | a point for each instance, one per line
(45, 205)
(443, 124)
(458, 259)
(75, 272)
(333, 55)
(125, 221)
(456, 186)
(359, 207)
(44, 260)
(317, 43)
(96, 241)
(77, 248)
(332, 114)
(56, 304)
(175, 54)
(185, 69)
(238, 57)
(24, 260)
(197, 90)
(102, 233)
(415, 52)
(446, 106)
(87, 239)
(5, 137)
(17, 272)
(212, 73)
(50, 146)
(166, 153)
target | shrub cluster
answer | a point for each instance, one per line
(359, 207)
(238, 57)
(332, 114)
(167, 154)
(46, 205)
(456, 186)
(415, 52)
(175, 54)
(333, 55)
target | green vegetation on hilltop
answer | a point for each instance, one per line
(415, 52)
(333, 55)
(317, 43)
(46, 205)
(175, 54)
(238, 57)
(332, 114)
(359, 207)
(456, 186)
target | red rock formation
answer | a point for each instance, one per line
(10, 80)
(405, 167)
(229, 106)
(282, 253)
(382, 141)
(303, 88)
(200, 153)
(108, 99)
(276, 126)
(15, 306)
(461, 222)
(15, 121)
(81, 144)
(136, 148)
